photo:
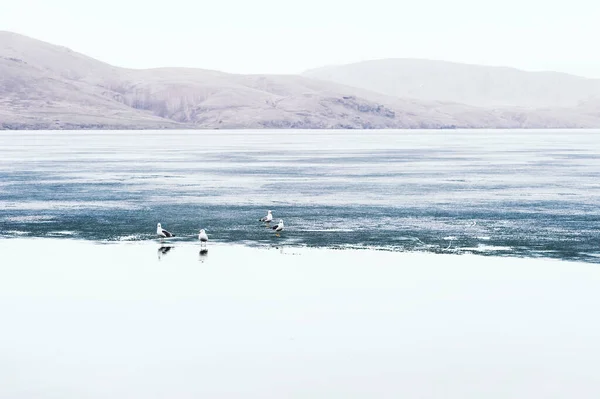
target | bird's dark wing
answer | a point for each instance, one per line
(167, 234)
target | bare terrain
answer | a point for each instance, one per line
(44, 86)
(468, 84)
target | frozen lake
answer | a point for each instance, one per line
(494, 192)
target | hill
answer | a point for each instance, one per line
(467, 84)
(44, 86)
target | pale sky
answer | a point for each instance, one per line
(278, 36)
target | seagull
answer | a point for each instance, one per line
(163, 233)
(279, 227)
(267, 218)
(203, 237)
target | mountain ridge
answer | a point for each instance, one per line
(471, 84)
(45, 86)
(433, 60)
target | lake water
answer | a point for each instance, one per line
(493, 192)
(113, 320)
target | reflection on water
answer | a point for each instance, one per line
(163, 250)
(203, 254)
(505, 193)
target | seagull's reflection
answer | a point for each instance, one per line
(203, 254)
(163, 250)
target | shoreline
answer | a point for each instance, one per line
(296, 129)
(484, 251)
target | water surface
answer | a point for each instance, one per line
(116, 320)
(498, 192)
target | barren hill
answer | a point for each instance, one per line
(44, 86)
(462, 83)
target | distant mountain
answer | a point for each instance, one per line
(44, 86)
(468, 84)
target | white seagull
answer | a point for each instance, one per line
(267, 218)
(203, 237)
(163, 233)
(279, 227)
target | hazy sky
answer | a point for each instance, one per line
(278, 36)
